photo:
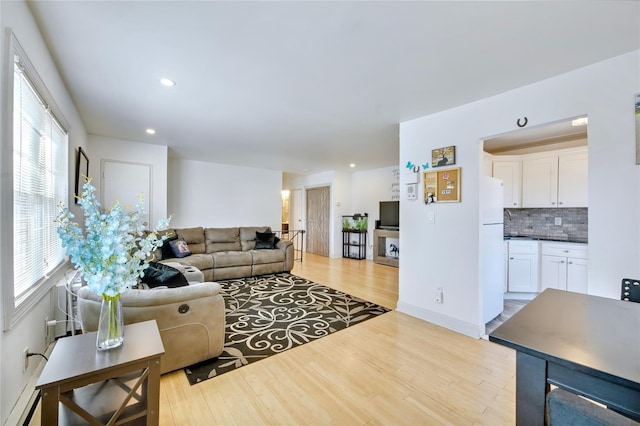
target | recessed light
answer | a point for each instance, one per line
(167, 82)
(352, 165)
(150, 132)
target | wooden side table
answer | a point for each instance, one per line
(81, 384)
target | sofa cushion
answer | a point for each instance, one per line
(194, 238)
(158, 274)
(222, 239)
(225, 259)
(200, 261)
(180, 248)
(248, 236)
(267, 256)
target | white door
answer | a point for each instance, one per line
(296, 210)
(125, 182)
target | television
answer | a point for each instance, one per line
(390, 215)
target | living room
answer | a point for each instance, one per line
(192, 190)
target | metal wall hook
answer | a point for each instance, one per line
(523, 124)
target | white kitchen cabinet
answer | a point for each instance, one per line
(509, 173)
(555, 181)
(540, 182)
(564, 266)
(572, 180)
(523, 266)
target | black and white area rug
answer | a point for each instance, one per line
(270, 314)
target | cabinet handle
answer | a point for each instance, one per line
(566, 251)
(562, 261)
(553, 203)
(559, 202)
(570, 263)
(511, 258)
(515, 204)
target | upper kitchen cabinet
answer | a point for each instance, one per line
(509, 172)
(572, 180)
(555, 181)
(540, 182)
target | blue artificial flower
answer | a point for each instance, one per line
(112, 251)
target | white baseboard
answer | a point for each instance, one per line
(27, 398)
(472, 330)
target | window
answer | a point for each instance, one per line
(40, 181)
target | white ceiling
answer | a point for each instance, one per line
(305, 87)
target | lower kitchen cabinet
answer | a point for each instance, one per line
(564, 266)
(523, 266)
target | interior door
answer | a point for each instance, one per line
(318, 211)
(296, 210)
(125, 182)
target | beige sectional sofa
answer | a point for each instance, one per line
(191, 319)
(226, 253)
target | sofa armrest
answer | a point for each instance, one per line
(191, 319)
(287, 247)
(161, 296)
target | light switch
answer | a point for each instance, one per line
(431, 217)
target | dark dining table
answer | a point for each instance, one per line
(585, 344)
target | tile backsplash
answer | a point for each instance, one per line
(541, 223)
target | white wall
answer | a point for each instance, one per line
(351, 193)
(102, 148)
(219, 195)
(368, 189)
(29, 331)
(446, 253)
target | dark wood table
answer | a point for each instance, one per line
(81, 384)
(586, 344)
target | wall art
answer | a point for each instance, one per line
(443, 156)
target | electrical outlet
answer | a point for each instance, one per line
(439, 295)
(25, 358)
(558, 221)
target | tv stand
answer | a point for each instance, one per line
(380, 247)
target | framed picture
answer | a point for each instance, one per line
(443, 156)
(82, 172)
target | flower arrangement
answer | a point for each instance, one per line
(112, 251)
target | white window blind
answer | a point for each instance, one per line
(39, 184)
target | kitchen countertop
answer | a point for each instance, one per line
(546, 238)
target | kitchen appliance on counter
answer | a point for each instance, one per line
(491, 247)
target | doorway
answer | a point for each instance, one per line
(544, 171)
(318, 213)
(124, 182)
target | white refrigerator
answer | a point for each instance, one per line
(491, 247)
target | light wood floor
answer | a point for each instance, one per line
(390, 370)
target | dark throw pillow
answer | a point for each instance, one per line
(159, 274)
(180, 247)
(167, 251)
(266, 240)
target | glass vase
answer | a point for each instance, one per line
(111, 324)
